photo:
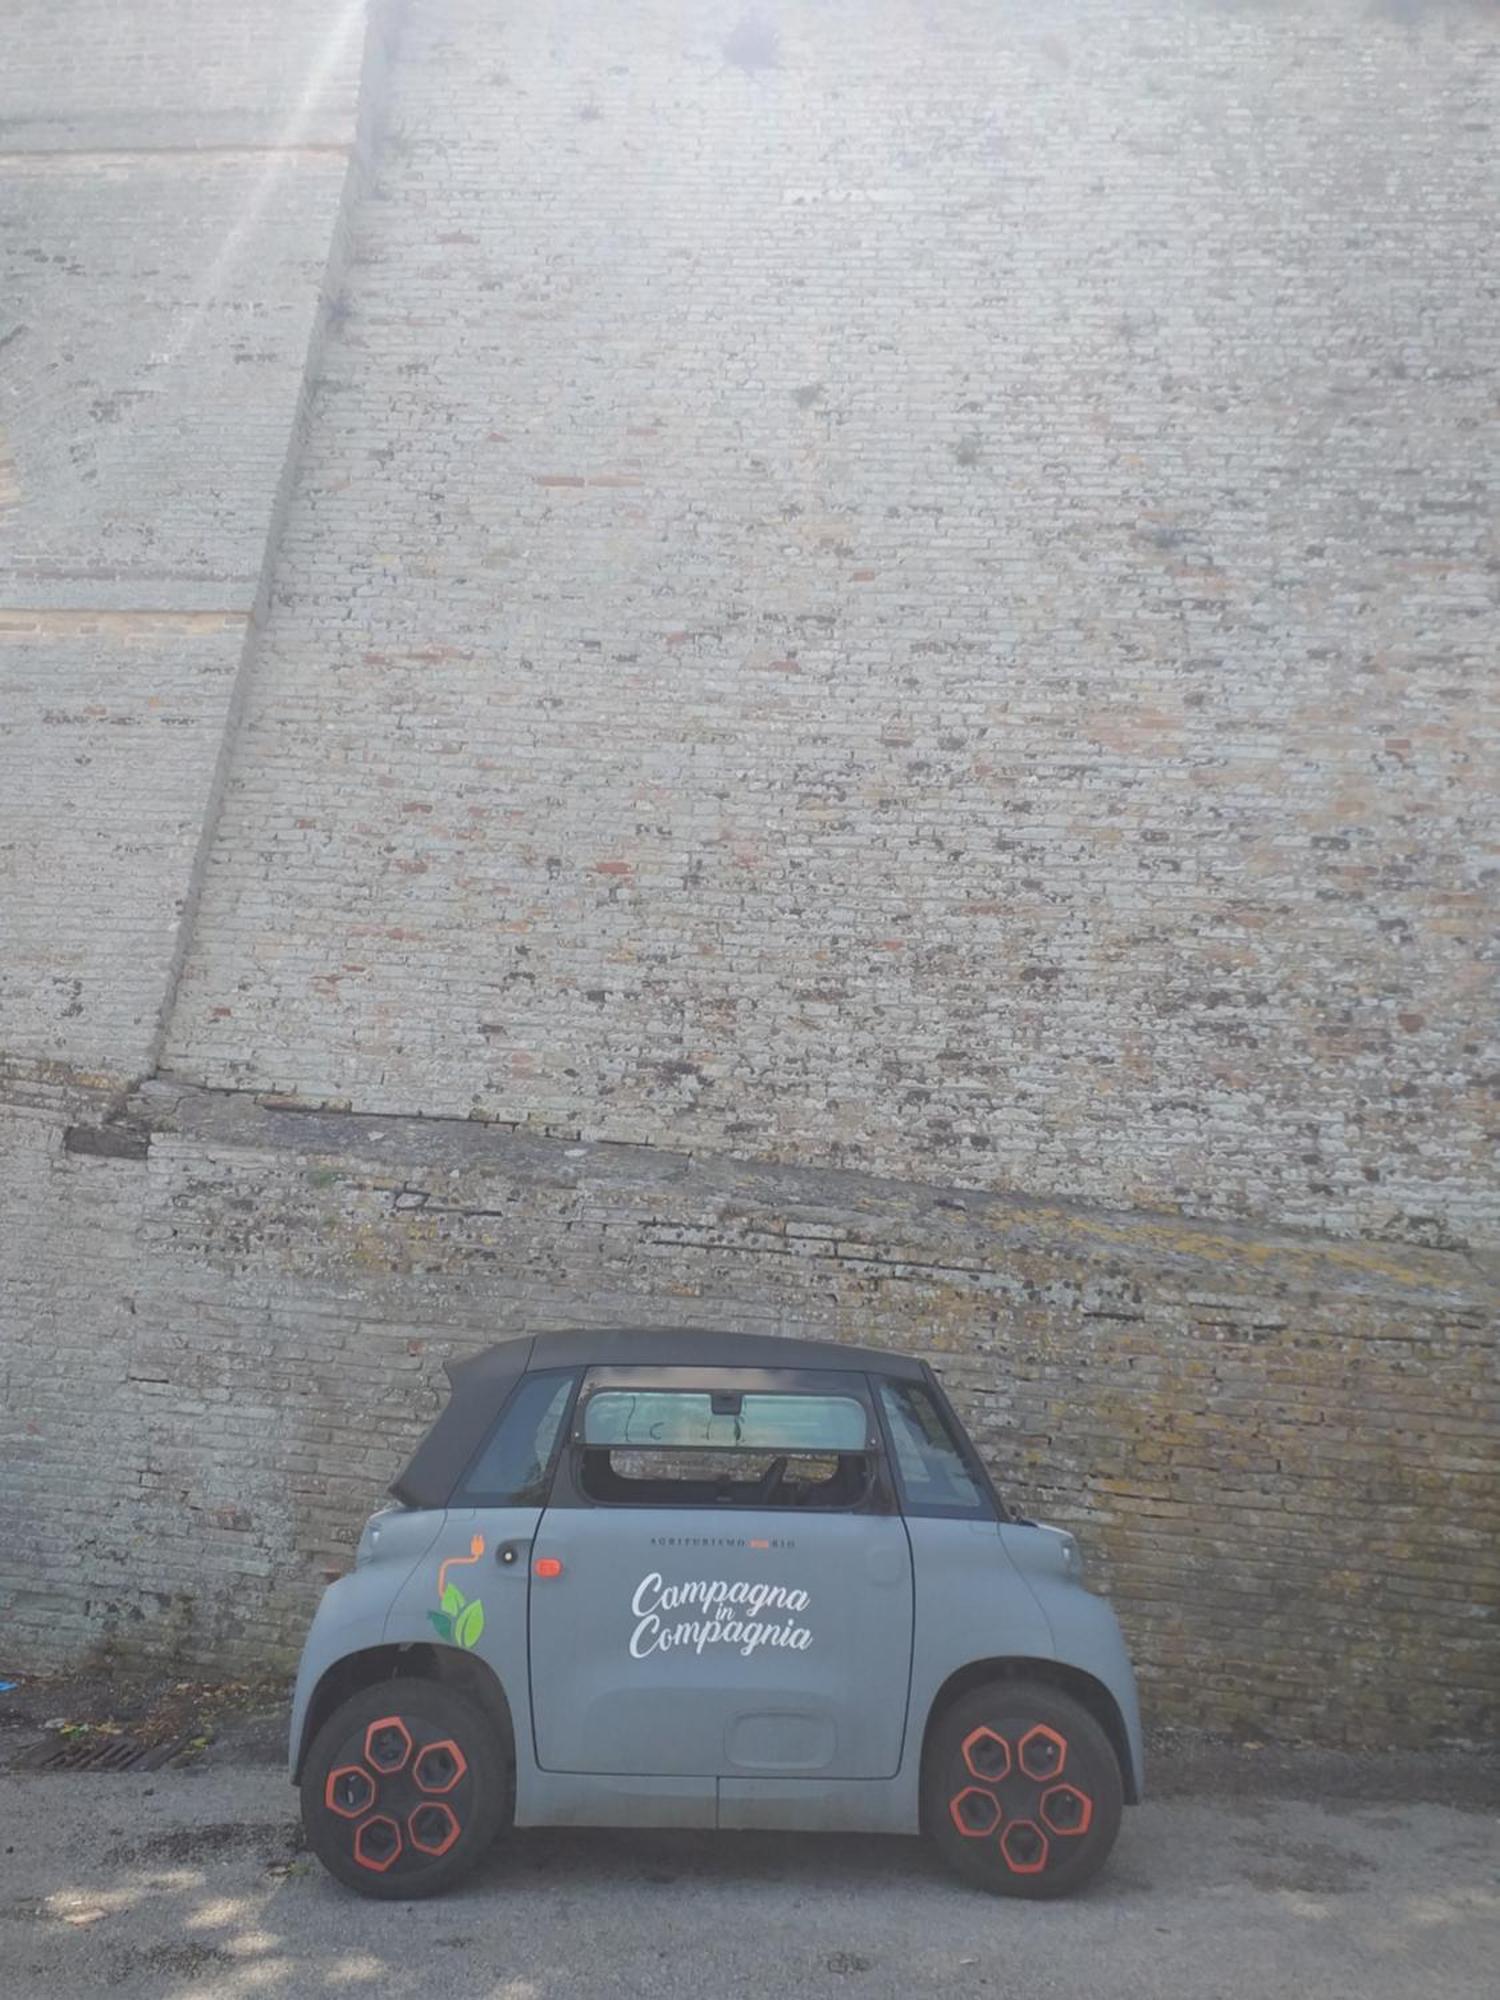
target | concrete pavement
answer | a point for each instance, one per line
(175, 1885)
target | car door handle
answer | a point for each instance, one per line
(512, 1555)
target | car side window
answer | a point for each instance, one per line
(512, 1466)
(934, 1478)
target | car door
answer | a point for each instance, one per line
(470, 1589)
(721, 1584)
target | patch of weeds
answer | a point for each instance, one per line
(291, 1871)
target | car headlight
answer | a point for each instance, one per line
(369, 1539)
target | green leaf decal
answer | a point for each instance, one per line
(441, 1623)
(453, 1600)
(469, 1624)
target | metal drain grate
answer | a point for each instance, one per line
(105, 1753)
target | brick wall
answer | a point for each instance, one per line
(110, 728)
(926, 605)
(1277, 1450)
(170, 179)
(862, 640)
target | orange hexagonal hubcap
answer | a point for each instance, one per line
(377, 1843)
(1066, 1810)
(439, 1766)
(350, 1791)
(387, 1744)
(986, 1755)
(1042, 1752)
(1024, 1846)
(432, 1828)
(976, 1814)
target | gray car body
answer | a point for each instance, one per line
(868, 1619)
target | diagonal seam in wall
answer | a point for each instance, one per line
(382, 34)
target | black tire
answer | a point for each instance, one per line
(398, 1821)
(1021, 1790)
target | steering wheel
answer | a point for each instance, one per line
(769, 1483)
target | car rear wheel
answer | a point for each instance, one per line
(404, 1789)
(1021, 1790)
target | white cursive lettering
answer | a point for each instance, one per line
(730, 1614)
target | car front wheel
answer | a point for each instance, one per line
(404, 1789)
(1021, 1790)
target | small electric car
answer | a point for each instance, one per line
(697, 1579)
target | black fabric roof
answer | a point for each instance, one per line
(707, 1347)
(481, 1382)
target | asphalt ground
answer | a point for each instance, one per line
(1247, 1874)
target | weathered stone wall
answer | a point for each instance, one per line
(870, 586)
(1277, 1450)
(170, 180)
(918, 591)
